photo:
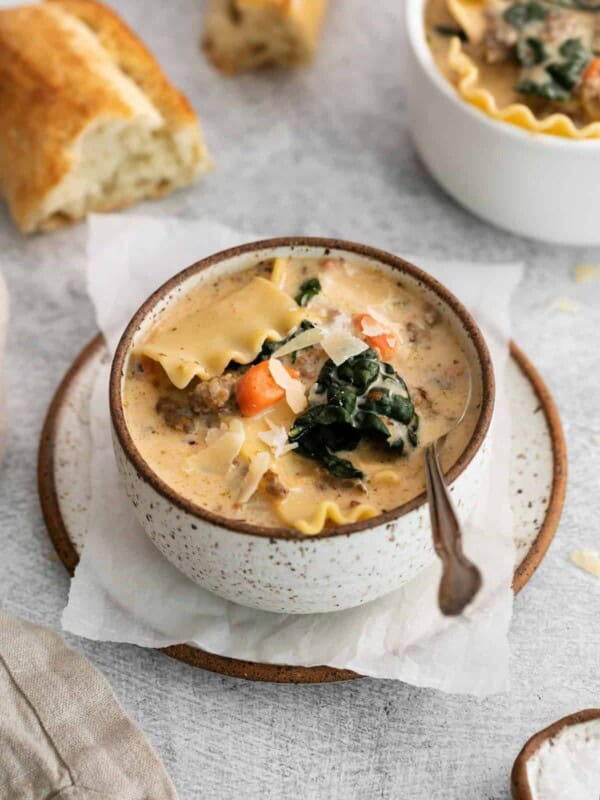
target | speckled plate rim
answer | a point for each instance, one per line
(276, 673)
(519, 780)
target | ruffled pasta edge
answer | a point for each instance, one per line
(326, 511)
(515, 114)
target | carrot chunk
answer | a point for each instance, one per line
(257, 390)
(592, 70)
(384, 343)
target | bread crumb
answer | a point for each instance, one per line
(587, 560)
(566, 304)
(584, 273)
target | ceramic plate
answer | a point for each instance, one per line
(538, 481)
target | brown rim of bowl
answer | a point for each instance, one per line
(146, 473)
(519, 781)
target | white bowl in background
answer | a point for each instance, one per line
(537, 185)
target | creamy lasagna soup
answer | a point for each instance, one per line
(299, 393)
(543, 55)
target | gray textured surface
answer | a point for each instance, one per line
(321, 151)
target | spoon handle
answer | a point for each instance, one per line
(461, 580)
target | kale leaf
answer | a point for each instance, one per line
(568, 72)
(308, 289)
(548, 90)
(363, 397)
(530, 51)
(269, 347)
(320, 442)
(520, 14)
(563, 75)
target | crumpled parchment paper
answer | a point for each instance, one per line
(125, 590)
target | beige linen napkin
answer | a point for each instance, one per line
(63, 734)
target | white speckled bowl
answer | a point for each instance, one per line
(527, 775)
(278, 569)
(533, 184)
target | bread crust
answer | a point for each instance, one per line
(133, 58)
(249, 34)
(49, 96)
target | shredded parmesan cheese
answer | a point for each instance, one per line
(257, 468)
(585, 273)
(566, 304)
(339, 321)
(307, 338)
(222, 446)
(335, 339)
(389, 325)
(587, 560)
(341, 345)
(277, 439)
(293, 388)
(373, 328)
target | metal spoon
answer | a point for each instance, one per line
(461, 579)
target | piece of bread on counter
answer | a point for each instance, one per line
(247, 34)
(88, 120)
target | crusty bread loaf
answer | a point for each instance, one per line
(88, 120)
(246, 34)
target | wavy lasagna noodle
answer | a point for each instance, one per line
(530, 63)
(292, 511)
(233, 329)
(298, 393)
